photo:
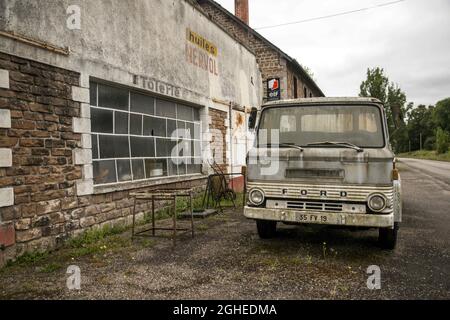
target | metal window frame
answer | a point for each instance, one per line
(129, 136)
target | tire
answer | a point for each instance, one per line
(387, 237)
(266, 229)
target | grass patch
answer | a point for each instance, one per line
(98, 241)
(51, 267)
(29, 258)
(426, 155)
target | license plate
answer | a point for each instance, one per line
(312, 218)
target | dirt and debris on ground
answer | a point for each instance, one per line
(227, 260)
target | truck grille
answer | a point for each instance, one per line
(357, 193)
(316, 206)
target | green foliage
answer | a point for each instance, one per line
(95, 236)
(442, 141)
(30, 258)
(377, 85)
(441, 114)
(51, 267)
(420, 122)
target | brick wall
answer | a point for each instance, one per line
(271, 64)
(268, 59)
(46, 209)
(219, 119)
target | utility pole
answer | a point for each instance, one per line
(409, 145)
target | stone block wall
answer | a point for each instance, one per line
(40, 207)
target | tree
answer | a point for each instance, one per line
(442, 141)
(420, 123)
(377, 85)
(441, 114)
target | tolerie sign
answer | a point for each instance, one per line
(157, 86)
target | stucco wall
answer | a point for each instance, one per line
(121, 38)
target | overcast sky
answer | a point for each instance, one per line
(410, 40)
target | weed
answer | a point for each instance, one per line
(51, 267)
(28, 258)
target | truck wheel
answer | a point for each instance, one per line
(387, 237)
(266, 229)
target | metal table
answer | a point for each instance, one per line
(163, 195)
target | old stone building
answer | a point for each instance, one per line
(276, 66)
(108, 97)
(104, 98)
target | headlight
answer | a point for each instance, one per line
(377, 202)
(256, 197)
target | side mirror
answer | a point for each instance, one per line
(252, 118)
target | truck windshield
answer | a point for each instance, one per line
(314, 126)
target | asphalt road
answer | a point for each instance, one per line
(227, 260)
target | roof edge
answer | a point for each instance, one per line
(323, 100)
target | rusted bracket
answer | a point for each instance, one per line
(35, 42)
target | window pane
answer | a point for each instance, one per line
(121, 123)
(94, 146)
(101, 120)
(155, 168)
(138, 169)
(190, 130)
(193, 167)
(197, 131)
(181, 126)
(197, 148)
(124, 170)
(112, 97)
(93, 93)
(196, 114)
(114, 147)
(165, 147)
(182, 168)
(171, 127)
(185, 148)
(165, 108)
(172, 168)
(142, 103)
(136, 124)
(104, 172)
(154, 127)
(184, 113)
(142, 147)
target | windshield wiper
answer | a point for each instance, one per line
(286, 145)
(339, 144)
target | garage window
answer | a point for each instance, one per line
(137, 136)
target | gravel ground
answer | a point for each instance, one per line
(227, 260)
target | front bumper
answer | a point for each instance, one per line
(320, 217)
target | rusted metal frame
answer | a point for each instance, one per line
(157, 196)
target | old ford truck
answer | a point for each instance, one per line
(323, 161)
